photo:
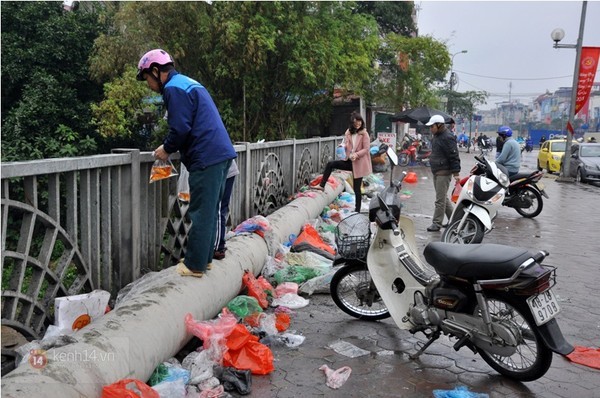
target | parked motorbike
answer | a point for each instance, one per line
(478, 203)
(525, 194)
(496, 300)
(415, 152)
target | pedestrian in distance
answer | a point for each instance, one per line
(445, 164)
(358, 157)
(220, 247)
(510, 157)
(198, 133)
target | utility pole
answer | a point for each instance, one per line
(452, 81)
(557, 35)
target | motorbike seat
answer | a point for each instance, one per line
(478, 261)
(520, 175)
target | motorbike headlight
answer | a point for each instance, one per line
(469, 187)
(503, 179)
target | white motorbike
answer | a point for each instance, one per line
(478, 203)
(494, 299)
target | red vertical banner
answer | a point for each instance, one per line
(587, 72)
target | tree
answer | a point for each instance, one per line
(391, 16)
(46, 92)
(411, 67)
(270, 66)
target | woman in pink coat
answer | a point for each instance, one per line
(358, 158)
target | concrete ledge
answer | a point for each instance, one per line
(148, 328)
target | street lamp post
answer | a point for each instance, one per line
(452, 80)
(557, 35)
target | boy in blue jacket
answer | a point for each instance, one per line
(197, 132)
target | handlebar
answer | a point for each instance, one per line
(395, 229)
(540, 256)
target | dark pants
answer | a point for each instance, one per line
(347, 166)
(206, 191)
(223, 213)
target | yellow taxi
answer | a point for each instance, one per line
(551, 155)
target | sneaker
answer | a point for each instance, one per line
(219, 254)
(433, 228)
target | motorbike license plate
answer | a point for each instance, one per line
(540, 186)
(544, 307)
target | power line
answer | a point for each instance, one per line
(514, 78)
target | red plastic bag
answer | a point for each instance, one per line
(129, 388)
(246, 353)
(255, 289)
(411, 178)
(212, 330)
(456, 192)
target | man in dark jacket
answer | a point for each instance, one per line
(445, 164)
(197, 132)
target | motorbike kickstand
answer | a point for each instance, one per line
(434, 337)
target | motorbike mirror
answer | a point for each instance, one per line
(392, 155)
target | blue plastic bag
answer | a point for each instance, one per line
(340, 153)
(458, 392)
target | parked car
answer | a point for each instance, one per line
(550, 155)
(585, 162)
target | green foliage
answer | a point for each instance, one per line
(45, 87)
(270, 66)
(391, 16)
(410, 68)
(125, 109)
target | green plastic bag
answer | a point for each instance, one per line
(296, 273)
(243, 306)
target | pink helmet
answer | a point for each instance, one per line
(157, 56)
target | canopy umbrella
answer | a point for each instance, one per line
(421, 114)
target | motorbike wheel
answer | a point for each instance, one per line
(353, 290)
(472, 231)
(403, 160)
(537, 203)
(532, 357)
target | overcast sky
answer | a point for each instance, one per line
(509, 41)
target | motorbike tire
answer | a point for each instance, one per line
(403, 160)
(473, 231)
(354, 292)
(537, 202)
(532, 358)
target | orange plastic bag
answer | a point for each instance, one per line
(255, 289)
(309, 235)
(411, 177)
(246, 353)
(456, 192)
(282, 321)
(585, 356)
(129, 388)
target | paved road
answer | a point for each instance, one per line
(567, 228)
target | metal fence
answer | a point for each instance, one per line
(72, 225)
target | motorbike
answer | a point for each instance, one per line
(494, 299)
(415, 152)
(525, 194)
(478, 203)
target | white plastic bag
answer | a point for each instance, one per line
(336, 378)
(183, 185)
(75, 312)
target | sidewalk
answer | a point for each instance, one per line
(379, 361)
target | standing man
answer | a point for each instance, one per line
(197, 132)
(445, 164)
(510, 157)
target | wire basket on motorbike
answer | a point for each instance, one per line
(353, 236)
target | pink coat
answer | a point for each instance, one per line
(361, 167)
